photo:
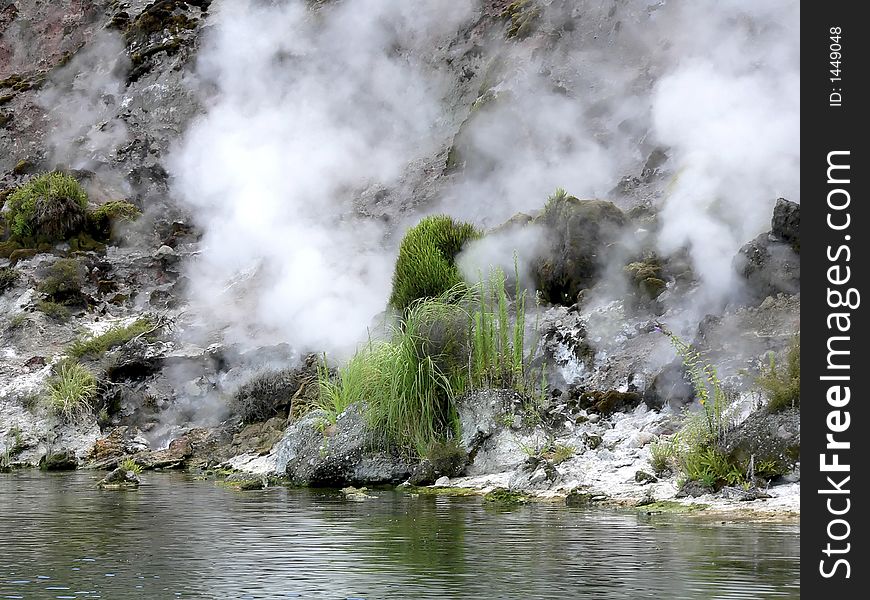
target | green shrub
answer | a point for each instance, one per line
(710, 467)
(114, 337)
(443, 346)
(128, 464)
(63, 281)
(782, 383)
(71, 390)
(425, 267)
(50, 206)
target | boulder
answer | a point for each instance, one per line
(579, 235)
(786, 223)
(770, 264)
(119, 479)
(772, 440)
(317, 453)
(669, 388)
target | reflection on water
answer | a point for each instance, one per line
(175, 537)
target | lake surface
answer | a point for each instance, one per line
(175, 537)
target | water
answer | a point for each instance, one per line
(180, 538)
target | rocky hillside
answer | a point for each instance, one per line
(220, 212)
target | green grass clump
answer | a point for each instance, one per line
(114, 337)
(425, 267)
(782, 383)
(50, 206)
(468, 337)
(115, 211)
(71, 390)
(128, 464)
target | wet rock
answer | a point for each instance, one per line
(694, 489)
(120, 442)
(317, 453)
(119, 479)
(178, 453)
(786, 223)
(771, 440)
(353, 493)
(59, 461)
(580, 234)
(505, 496)
(246, 482)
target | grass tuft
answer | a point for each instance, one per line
(71, 390)
(425, 267)
(467, 337)
(782, 383)
(128, 464)
(50, 206)
(114, 337)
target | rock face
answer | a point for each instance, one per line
(317, 453)
(770, 264)
(580, 233)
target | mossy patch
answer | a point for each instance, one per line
(54, 311)
(62, 282)
(8, 278)
(105, 216)
(505, 496)
(442, 491)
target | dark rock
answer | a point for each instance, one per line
(609, 402)
(769, 267)
(34, 362)
(580, 233)
(578, 499)
(347, 453)
(119, 479)
(669, 388)
(277, 392)
(743, 495)
(786, 223)
(59, 461)
(771, 441)
(694, 489)
(644, 477)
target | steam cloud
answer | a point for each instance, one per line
(311, 109)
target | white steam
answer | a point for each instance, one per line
(310, 110)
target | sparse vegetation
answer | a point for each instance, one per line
(53, 310)
(425, 267)
(71, 390)
(50, 207)
(695, 450)
(782, 383)
(116, 336)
